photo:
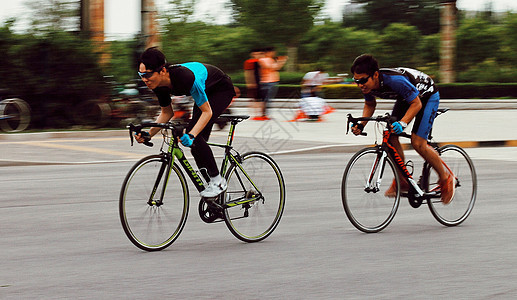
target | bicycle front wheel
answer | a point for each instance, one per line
(461, 205)
(255, 198)
(154, 203)
(367, 177)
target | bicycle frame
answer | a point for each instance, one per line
(386, 149)
(175, 153)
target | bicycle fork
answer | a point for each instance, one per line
(164, 169)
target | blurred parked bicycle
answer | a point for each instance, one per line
(129, 103)
(15, 113)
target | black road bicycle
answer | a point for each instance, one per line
(154, 199)
(371, 171)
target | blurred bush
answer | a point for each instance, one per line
(53, 72)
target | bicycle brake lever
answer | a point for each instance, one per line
(131, 127)
(349, 116)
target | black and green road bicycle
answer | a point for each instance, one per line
(154, 199)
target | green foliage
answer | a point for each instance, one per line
(123, 60)
(488, 71)
(277, 21)
(50, 71)
(398, 45)
(342, 91)
(222, 46)
(477, 90)
(334, 48)
(379, 14)
(429, 48)
(508, 52)
(476, 42)
(53, 15)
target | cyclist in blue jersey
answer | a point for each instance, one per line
(417, 99)
(212, 91)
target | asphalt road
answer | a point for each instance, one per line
(60, 237)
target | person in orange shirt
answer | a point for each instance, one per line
(269, 78)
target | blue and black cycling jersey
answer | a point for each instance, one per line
(194, 79)
(403, 84)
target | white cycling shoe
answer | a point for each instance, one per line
(214, 189)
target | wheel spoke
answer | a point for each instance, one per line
(254, 219)
(365, 182)
(157, 225)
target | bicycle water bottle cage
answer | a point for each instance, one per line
(409, 165)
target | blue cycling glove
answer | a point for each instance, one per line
(187, 139)
(398, 127)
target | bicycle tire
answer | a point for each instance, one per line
(16, 115)
(366, 206)
(149, 226)
(256, 220)
(462, 204)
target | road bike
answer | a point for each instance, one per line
(372, 170)
(154, 199)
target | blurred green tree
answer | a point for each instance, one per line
(476, 41)
(398, 45)
(334, 47)
(508, 53)
(378, 14)
(278, 22)
(54, 15)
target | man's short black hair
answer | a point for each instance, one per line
(365, 64)
(153, 59)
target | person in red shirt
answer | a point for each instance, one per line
(252, 78)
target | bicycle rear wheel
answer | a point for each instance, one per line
(366, 179)
(462, 204)
(150, 221)
(255, 198)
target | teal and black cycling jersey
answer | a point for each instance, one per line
(193, 79)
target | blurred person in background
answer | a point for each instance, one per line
(269, 78)
(312, 108)
(212, 91)
(312, 82)
(252, 78)
(416, 98)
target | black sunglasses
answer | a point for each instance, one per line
(148, 75)
(362, 80)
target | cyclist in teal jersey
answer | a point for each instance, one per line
(416, 98)
(212, 91)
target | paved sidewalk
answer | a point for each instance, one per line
(467, 128)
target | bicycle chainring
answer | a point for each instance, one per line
(413, 199)
(208, 211)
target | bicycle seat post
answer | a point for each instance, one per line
(231, 133)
